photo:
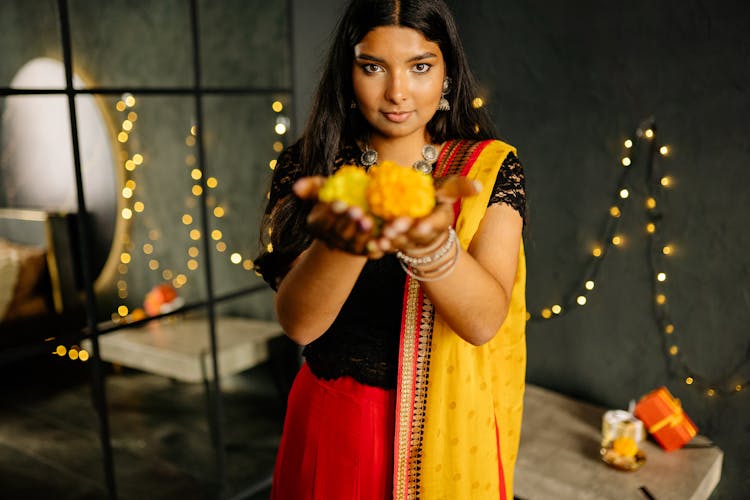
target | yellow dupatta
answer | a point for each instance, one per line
(458, 403)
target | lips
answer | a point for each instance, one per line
(397, 116)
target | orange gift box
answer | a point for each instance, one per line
(664, 418)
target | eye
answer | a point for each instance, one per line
(422, 67)
(371, 68)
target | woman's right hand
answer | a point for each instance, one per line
(339, 226)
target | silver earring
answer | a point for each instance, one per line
(444, 105)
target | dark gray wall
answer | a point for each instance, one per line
(567, 83)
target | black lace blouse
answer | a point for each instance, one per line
(363, 340)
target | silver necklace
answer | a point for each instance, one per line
(429, 156)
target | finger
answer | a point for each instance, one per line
(307, 187)
(457, 187)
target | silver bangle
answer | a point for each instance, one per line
(444, 270)
(429, 259)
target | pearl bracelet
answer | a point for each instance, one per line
(429, 259)
(441, 272)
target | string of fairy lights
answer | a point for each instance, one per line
(660, 249)
(135, 207)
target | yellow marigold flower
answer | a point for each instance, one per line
(348, 184)
(397, 191)
(625, 446)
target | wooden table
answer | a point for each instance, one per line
(559, 458)
(179, 348)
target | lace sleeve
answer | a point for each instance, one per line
(510, 185)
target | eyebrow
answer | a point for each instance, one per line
(420, 57)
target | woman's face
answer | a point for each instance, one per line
(398, 79)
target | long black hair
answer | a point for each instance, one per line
(334, 125)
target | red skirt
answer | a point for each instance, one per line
(337, 441)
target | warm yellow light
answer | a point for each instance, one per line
(628, 144)
(122, 311)
(122, 137)
(180, 280)
(127, 125)
(167, 274)
(221, 246)
(651, 203)
(710, 393)
(193, 251)
(138, 158)
(153, 264)
(649, 134)
(125, 258)
(617, 240)
(235, 258)
(195, 234)
(661, 277)
(664, 150)
(120, 106)
(138, 206)
(129, 101)
(528, 314)
(196, 174)
(127, 193)
(190, 160)
(148, 248)
(123, 294)
(689, 380)
(193, 130)
(738, 387)
(477, 102)
(197, 190)
(154, 234)
(122, 285)
(212, 182)
(130, 184)
(667, 250)
(661, 299)
(546, 313)
(61, 350)
(247, 264)
(597, 252)
(589, 285)
(650, 228)
(187, 219)
(626, 162)
(192, 264)
(216, 234)
(127, 213)
(73, 354)
(83, 355)
(122, 269)
(581, 300)
(272, 164)
(269, 248)
(556, 309)
(130, 165)
(280, 129)
(614, 212)
(666, 181)
(132, 116)
(673, 350)
(278, 146)
(277, 106)
(218, 212)
(624, 193)
(669, 329)
(190, 141)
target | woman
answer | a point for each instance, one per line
(414, 336)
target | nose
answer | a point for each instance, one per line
(397, 89)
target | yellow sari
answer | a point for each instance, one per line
(459, 406)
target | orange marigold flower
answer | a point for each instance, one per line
(625, 446)
(348, 184)
(397, 191)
